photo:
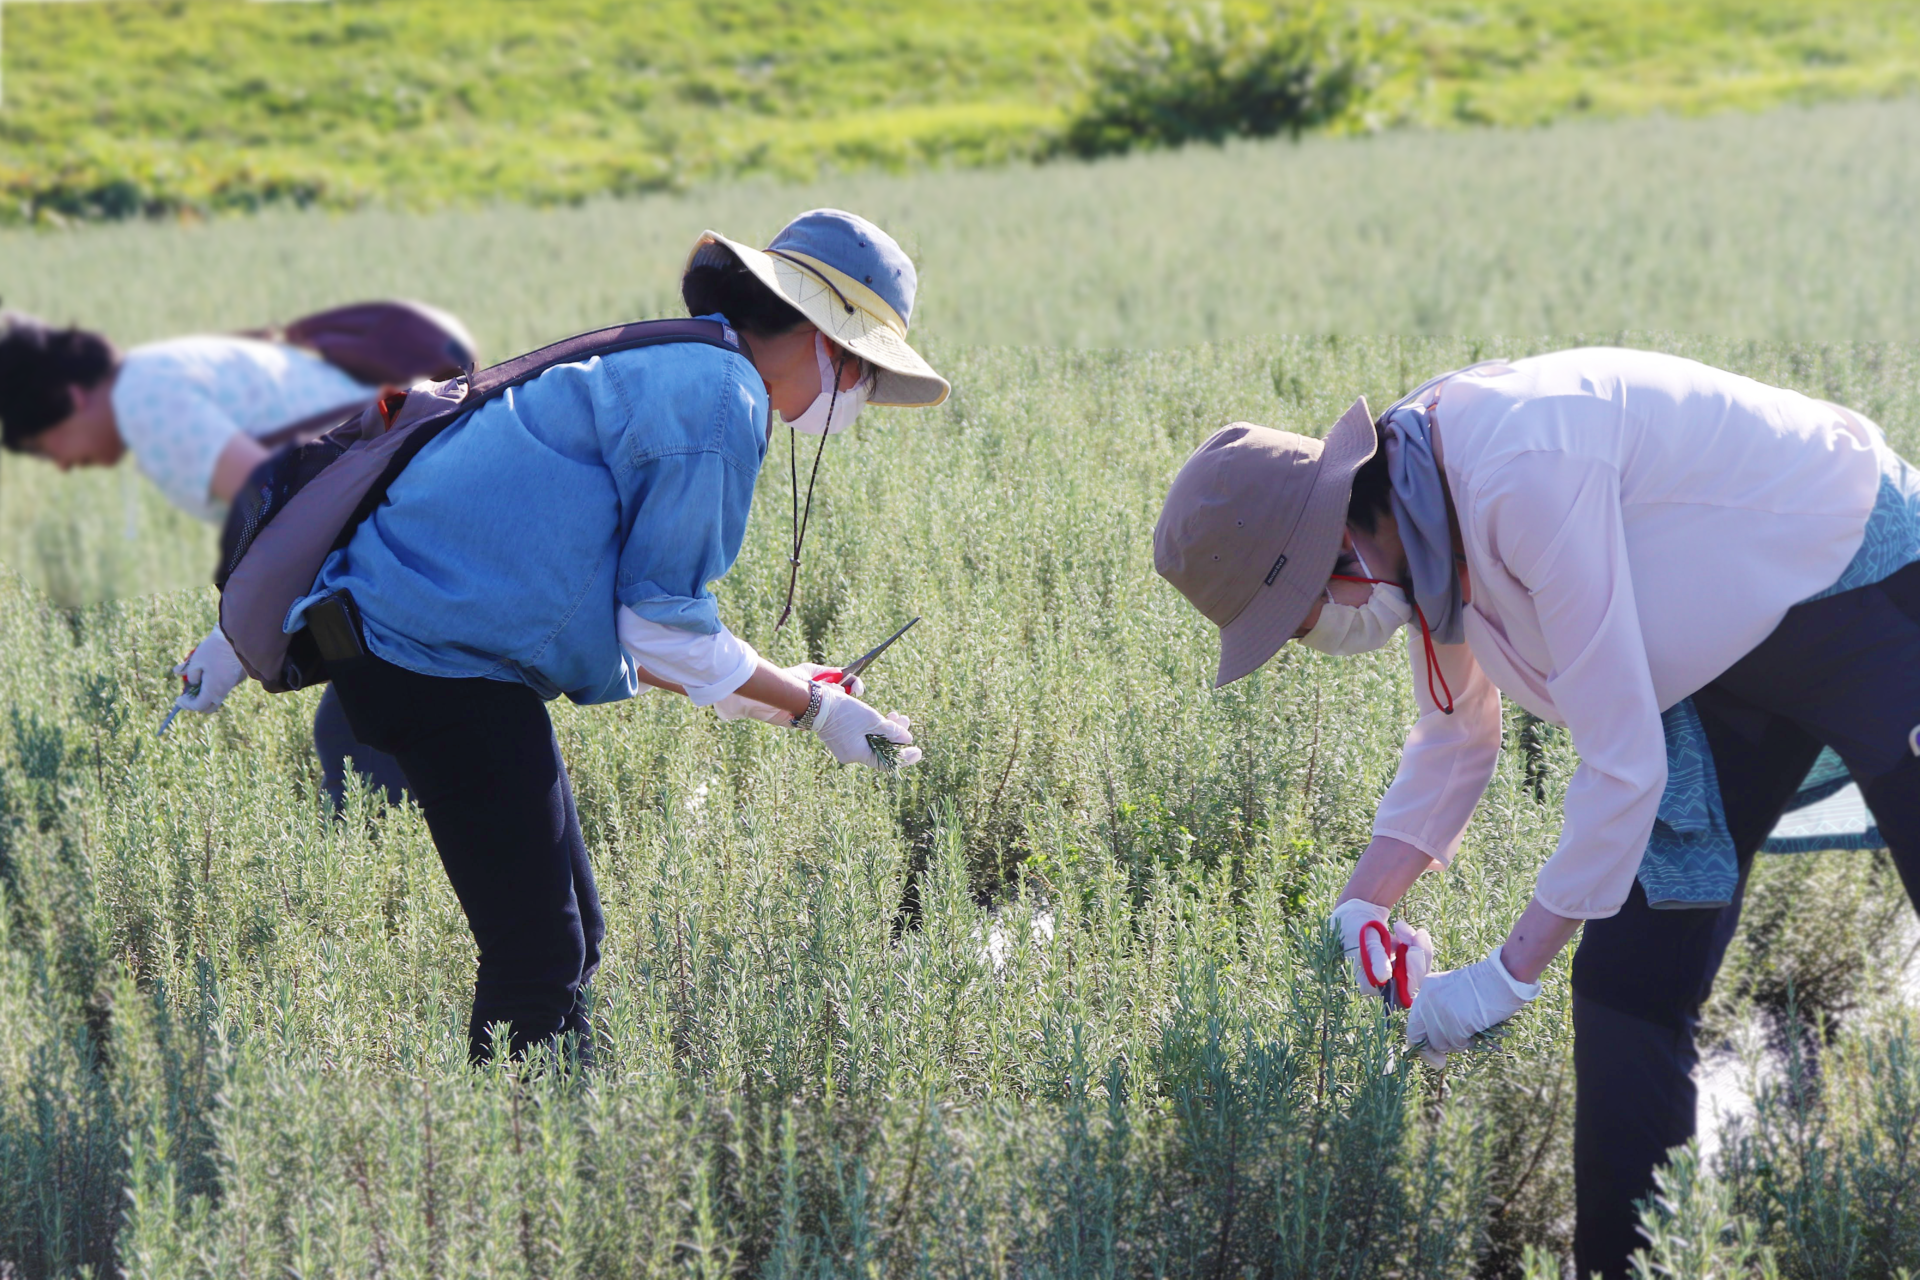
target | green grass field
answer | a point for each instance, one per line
(1793, 226)
(1055, 1002)
(117, 108)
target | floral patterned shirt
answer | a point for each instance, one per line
(177, 403)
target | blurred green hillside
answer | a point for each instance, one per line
(151, 106)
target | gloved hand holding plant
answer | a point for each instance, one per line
(857, 734)
(211, 671)
(1455, 1006)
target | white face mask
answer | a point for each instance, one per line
(842, 409)
(1346, 629)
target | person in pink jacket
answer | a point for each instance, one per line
(1627, 544)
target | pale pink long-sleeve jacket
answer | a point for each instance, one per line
(1634, 524)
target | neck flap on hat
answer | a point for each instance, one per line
(1420, 509)
(1420, 505)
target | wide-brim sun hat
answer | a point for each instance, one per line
(1252, 526)
(854, 283)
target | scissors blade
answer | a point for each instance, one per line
(191, 691)
(865, 660)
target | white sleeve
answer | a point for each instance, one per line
(708, 667)
(1556, 524)
(1447, 759)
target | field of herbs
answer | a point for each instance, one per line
(1057, 1002)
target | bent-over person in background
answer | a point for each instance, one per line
(1671, 561)
(198, 414)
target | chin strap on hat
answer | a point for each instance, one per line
(802, 518)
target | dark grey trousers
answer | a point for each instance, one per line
(1843, 672)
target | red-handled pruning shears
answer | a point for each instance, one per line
(1393, 987)
(845, 675)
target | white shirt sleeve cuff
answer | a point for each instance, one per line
(708, 667)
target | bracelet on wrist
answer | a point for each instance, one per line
(814, 698)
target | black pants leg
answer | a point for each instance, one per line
(333, 740)
(481, 760)
(1843, 672)
(1639, 981)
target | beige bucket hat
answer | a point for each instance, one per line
(856, 285)
(1251, 529)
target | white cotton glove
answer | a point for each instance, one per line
(736, 707)
(1456, 1005)
(1351, 917)
(843, 723)
(214, 668)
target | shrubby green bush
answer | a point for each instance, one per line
(1822, 1180)
(1818, 933)
(1576, 228)
(1207, 72)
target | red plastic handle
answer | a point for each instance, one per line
(1366, 956)
(831, 677)
(1396, 952)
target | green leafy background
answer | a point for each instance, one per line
(157, 105)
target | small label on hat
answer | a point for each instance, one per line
(1274, 572)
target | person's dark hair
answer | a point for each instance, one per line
(1372, 495)
(736, 293)
(38, 367)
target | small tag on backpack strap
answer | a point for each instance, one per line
(390, 402)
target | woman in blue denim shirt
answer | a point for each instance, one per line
(561, 539)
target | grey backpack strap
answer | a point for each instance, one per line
(490, 382)
(311, 427)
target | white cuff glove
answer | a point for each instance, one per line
(1351, 918)
(737, 707)
(1455, 1006)
(844, 722)
(214, 669)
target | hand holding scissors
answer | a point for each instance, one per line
(884, 750)
(1409, 954)
(187, 691)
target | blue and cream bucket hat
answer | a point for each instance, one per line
(854, 283)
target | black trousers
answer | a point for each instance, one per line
(333, 740)
(480, 758)
(1843, 672)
